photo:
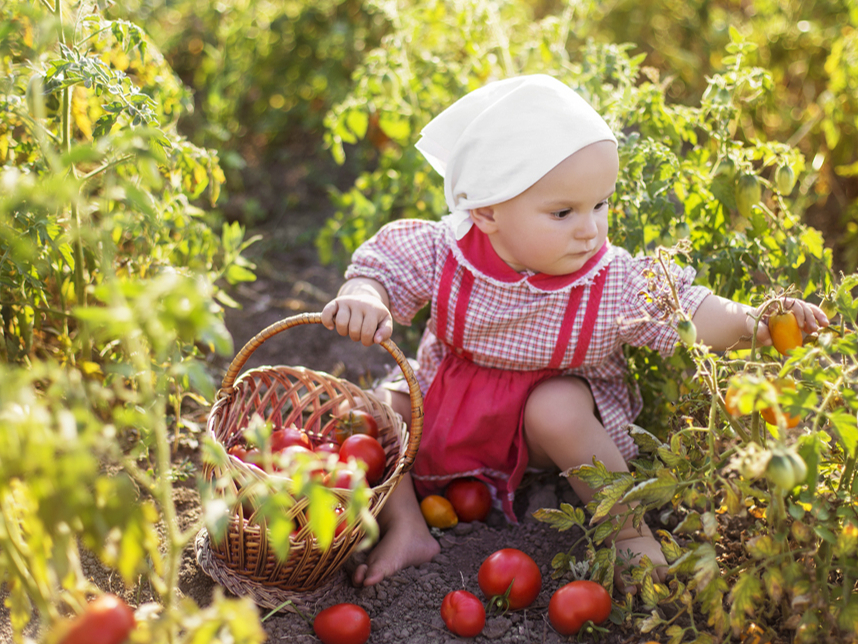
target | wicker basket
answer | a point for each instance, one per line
(243, 560)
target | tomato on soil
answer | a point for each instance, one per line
(513, 570)
(342, 624)
(471, 499)
(786, 335)
(438, 512)
(577, 603)
(463, 613)
(106, 620)
(368, 451)
(356, 421)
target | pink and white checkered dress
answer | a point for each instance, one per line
(495, 333)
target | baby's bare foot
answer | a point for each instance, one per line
(404, 544)
(639, 544)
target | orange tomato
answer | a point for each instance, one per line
(786, 335)
(768, 413)
(731, 399)
(438, 512)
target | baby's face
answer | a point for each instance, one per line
(561, 221)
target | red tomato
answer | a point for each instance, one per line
(342, 624)
(576, 603)
(341, 478)
(106, 620)
(283, 438)
(239, 451)
(510, 567)
(471, 499)
(356, 421)
(463, 613)
(368, 451)
(327, 448)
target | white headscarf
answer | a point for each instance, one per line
(497, 141)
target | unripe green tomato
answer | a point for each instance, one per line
(801, 532)
(780, 471)
(785, 179)
(726, 167)
(687, 332)
(682, 230)
(799, 467)
(748, 194)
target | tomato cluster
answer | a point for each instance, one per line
(511, 580)
(465, 499)
(356, 436)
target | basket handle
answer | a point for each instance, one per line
(416, 430)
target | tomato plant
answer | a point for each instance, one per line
(463, 613)
(356, 421)
(368, 451)
(438, 512)
(786, 335)
(471, 499)
(106, 620)
(576, 603)
(510, 578)
(342, 624)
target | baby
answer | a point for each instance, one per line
(521, 363)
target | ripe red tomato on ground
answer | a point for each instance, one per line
(342, 624)
(106, 620)
(471, 499)
(367, 450)
(355, 421)
(506, 567)
(577, 603)
(463, 613)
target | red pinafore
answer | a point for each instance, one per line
(474, 415)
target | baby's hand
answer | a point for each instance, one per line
(809, 317)
(360, 316)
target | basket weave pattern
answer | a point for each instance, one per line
(308, 399)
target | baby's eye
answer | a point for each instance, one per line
(602, 204)
(562, 214)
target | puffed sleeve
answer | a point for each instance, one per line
(402, 256)
(645, 320)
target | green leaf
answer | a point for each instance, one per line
(645, 441)
(847, 429)
(563, 519)
(654, 492)
(690, 524)
(773, 579)
(610, 495)
(747, 592)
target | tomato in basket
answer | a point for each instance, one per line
(355, 421)
(283, 438)
(368, 451)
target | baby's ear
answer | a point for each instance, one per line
(484, 219)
